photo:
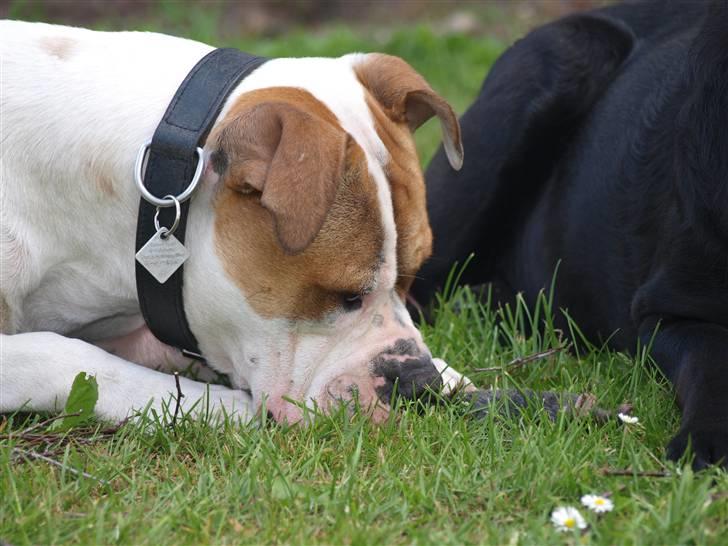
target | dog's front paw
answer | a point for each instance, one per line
(708, 440)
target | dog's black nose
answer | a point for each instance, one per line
(411, 376)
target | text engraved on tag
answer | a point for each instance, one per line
(162, 257)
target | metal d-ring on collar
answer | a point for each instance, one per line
(167, 231)
(168, 200)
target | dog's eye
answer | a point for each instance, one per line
(351, 302)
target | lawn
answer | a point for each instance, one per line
(433, 475)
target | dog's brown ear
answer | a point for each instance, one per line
(408, 98)
(295, 159)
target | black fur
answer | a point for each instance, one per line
(601, 141)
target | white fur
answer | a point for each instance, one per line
(28, 383)
(73, 119)
(67, 256)
(452, 380)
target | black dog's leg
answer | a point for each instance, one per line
(694, 356)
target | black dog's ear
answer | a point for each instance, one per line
(533, 99)
(546, 82)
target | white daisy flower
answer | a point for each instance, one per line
(567, 518)
(597, 503)
(628, 419)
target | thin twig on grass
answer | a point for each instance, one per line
(48, 460)
(178, 401)
(31, 428)
(637, 473)
(29, 435)
(42, 445)
(522, 360)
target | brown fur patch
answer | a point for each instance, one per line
(97, 172)
(400, 101)
(414, 236)
(291, 151)
(406, 97)
(59, 47)
(345, 253)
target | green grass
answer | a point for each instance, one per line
(432, 476)
(429, 476)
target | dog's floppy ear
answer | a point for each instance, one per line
(408, 98)
(294, 158)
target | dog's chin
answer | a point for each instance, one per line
(289, 413)
(355, 395)
(343, 394)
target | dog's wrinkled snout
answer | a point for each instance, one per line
(407, 369)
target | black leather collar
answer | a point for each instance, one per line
(170, 166)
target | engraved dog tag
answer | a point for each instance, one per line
(162, 257)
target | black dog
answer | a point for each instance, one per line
(600, 141)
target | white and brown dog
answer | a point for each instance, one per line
(304, 234)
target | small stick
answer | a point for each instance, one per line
(60, 465)
(178, 401)
(521, 360)
(26, 433)
(38, 425)
(639, 474)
